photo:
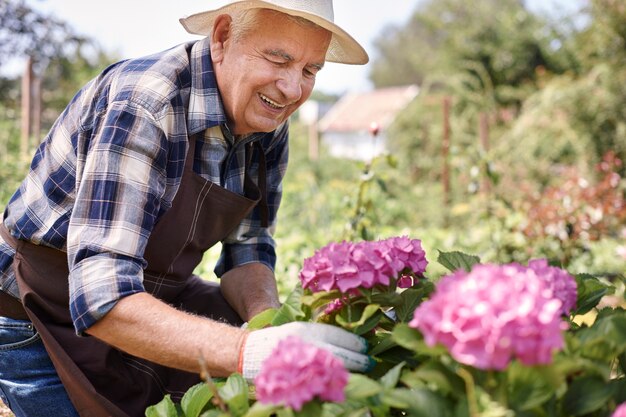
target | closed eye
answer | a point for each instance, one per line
(278, 57)
(312, 70)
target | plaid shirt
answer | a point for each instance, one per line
(111, 165)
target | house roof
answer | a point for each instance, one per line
(357, 111)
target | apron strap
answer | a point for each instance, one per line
(262, 183)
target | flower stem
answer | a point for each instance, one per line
(206, 376)
(470, 390)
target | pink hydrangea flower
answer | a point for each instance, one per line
(405, 281)
(335, 305)
(620, 411)
(321, 271)
(562, 284)
(491, 315)
(407, 253)
(348, 266)
(296, 372)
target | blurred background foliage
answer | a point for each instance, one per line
(537, 135)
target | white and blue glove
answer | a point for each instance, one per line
(348, 347)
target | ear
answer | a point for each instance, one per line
(219, 36)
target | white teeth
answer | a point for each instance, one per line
(270, 102)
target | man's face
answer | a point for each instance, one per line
(264, 76)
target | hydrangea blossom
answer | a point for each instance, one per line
(620, 411)
(335, 305)
(347, 266)
(405, 281)
(562, 284)
(296, 372)
(491, 315)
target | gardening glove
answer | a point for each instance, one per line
(346, 346)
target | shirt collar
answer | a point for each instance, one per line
(205, 104)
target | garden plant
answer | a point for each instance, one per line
(484, 340)
(536, 164)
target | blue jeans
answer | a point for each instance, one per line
(29, 384)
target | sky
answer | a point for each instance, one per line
(132, 28)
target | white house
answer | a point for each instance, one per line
(346, 129)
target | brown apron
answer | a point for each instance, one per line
(101, 380)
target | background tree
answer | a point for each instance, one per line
(576, 119)
(27, 32)
(62, 59)
(535, 103)
(488, 56)
(499, 43)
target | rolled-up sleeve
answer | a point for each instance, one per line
(117, 201)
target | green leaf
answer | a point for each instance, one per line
(285, 412)
(262, 410)
(416, 402)
(529, 387)
(360, 387)
(586, 395)
(291, 309)
(571, 365)
(310, 409)
(606, 338)
(410, 299)
(164, 408)
(320, 299)
(387, 299)
(619, 388)
(455, 260)
(411, 339)
(622, 363)
(407, 337)
(487, 405)
(390, 358)
(214, 413)
(384, 343)
(437, 377)
(348, 408)
(391, 378)
(361, 412)
(263, 319)
(363, 324)
(235, 394)
(382, 184)
(590, 292)
(195, 399)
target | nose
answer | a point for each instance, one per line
(290, 84)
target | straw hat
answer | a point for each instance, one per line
(342, 49)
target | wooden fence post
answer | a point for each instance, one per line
(483, 133)
(36, 109)
(27, 95)
(445, 153)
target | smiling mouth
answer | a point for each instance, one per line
(271, 102)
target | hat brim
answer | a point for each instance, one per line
(343, 48)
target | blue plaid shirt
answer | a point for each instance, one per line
(111, 165)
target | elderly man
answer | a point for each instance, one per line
(152, 163)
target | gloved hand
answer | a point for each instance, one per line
(346, 346)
